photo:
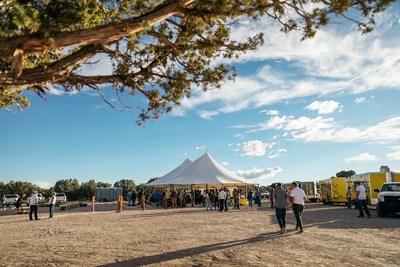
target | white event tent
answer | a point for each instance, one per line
(204, 172)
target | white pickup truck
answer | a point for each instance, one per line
(10, 199)
(388, 199)
(61, 198)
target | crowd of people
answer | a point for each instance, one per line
(212, 199)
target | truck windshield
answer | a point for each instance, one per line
(391, 187)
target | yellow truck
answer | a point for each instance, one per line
(333, 190)
(372, 181)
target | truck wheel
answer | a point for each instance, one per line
(381, 211)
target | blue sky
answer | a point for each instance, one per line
(297, 111)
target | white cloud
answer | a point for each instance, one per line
(254, 148)
(360, 100)
(327, 129)
(208, 114)
(225, 163)
(338, 60)
(270, 112)
(276, 153)
(259, 173)
(395, 154)
(325, 107)
(362, 158)
(55, 91)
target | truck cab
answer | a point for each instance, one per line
(388, 199)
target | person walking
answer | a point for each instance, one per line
(281, 200)
(362, 201)
(298, 197)
(52, 204)
(33, 204)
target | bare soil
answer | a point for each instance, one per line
(333, 236)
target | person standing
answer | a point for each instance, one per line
(206, 197)
(297, 197)
(173, 198)
(221, 198)
(52, 204)
(129, 197)
(33, 204)
(165, 199)
(227, 198)
(281, 200)
(362, 201)
(236, 198)
(158, 198)
(257, 193)
(348, 196)
(133, 198)
(250, 198)
(271, 193)
(18, 204)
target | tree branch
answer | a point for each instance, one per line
(99, 35)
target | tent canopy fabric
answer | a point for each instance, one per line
(203, 172)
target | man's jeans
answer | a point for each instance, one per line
(298, 210)
(281, 217)
(34, 209)
(362, 204)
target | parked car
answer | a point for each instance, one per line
(388, 199)
(265, 195)
(61, 198)
(10, 199)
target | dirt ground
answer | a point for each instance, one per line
(333, 236)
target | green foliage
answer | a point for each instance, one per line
(87, 189)
(20, 188)
(69, 186)
(126, 185)
(159, 50)
(345, 173)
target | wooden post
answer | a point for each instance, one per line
(121, 202)
(165, 200)
(143, 200)
(93, 199)
(120, 199)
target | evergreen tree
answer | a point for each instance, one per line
(157, 50)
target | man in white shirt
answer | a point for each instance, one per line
(362, 201)
(222, 199)
(33, 204)
(297, 197)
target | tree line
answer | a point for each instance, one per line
(71, 187)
